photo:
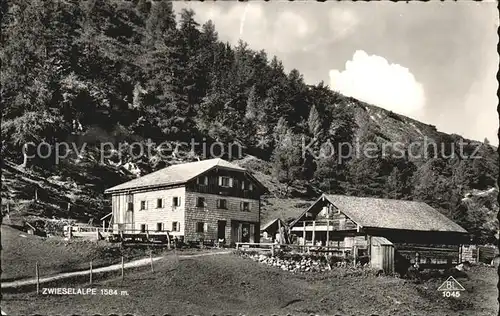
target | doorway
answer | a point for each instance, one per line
(129, 221)
(245, 232)
(221, 230)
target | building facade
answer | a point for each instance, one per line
(210, 200)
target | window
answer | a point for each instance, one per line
(200, 202)
(159, 227)
(250, 187)
(159, 203)
(245, 206)
(143, 205)
(143, 228)
(203, 180)
(243, 184)
(222, 204)
(200, 227)
(226, 182)
(176, 227)
(176, 201)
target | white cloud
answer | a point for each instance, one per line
(373, 79)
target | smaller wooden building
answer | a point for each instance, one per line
(275, 230)
(387, 231)
(382, 254)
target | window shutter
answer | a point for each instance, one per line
(179, 200)
(241, 206)
(220, 180)
(218, 203)
(172, 203)
(231, 182)
(205, 227)
(178, 226)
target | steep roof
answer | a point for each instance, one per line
(272, 222)
(175, 174)
(392, 214)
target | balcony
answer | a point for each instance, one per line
(225, 191)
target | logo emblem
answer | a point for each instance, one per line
(451, 288)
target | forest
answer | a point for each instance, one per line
(136, 71)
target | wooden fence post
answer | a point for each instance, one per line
(151, 259)
(355, 254)
(314, 234)
(327, 233)
(123, 268)
(37, 272)
(304, 232)
(90, 272)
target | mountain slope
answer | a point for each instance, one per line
(112, 77)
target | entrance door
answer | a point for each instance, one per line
(221, 230)
(245, 232)
(129, 214)
(129, 221)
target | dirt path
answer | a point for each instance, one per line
(114, 267)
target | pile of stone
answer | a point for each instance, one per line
(293, 264)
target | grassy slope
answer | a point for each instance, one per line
(19, 254)
(80, 182)
(227, 284)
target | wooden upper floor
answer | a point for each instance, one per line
(226, 182)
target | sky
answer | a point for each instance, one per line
(435, 62)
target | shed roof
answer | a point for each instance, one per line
(381, 241)
(174, 174)
(272, 222)
(391, 214)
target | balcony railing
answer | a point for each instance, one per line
(220, 190)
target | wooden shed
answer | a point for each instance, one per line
(275, 231)
(382, 254)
